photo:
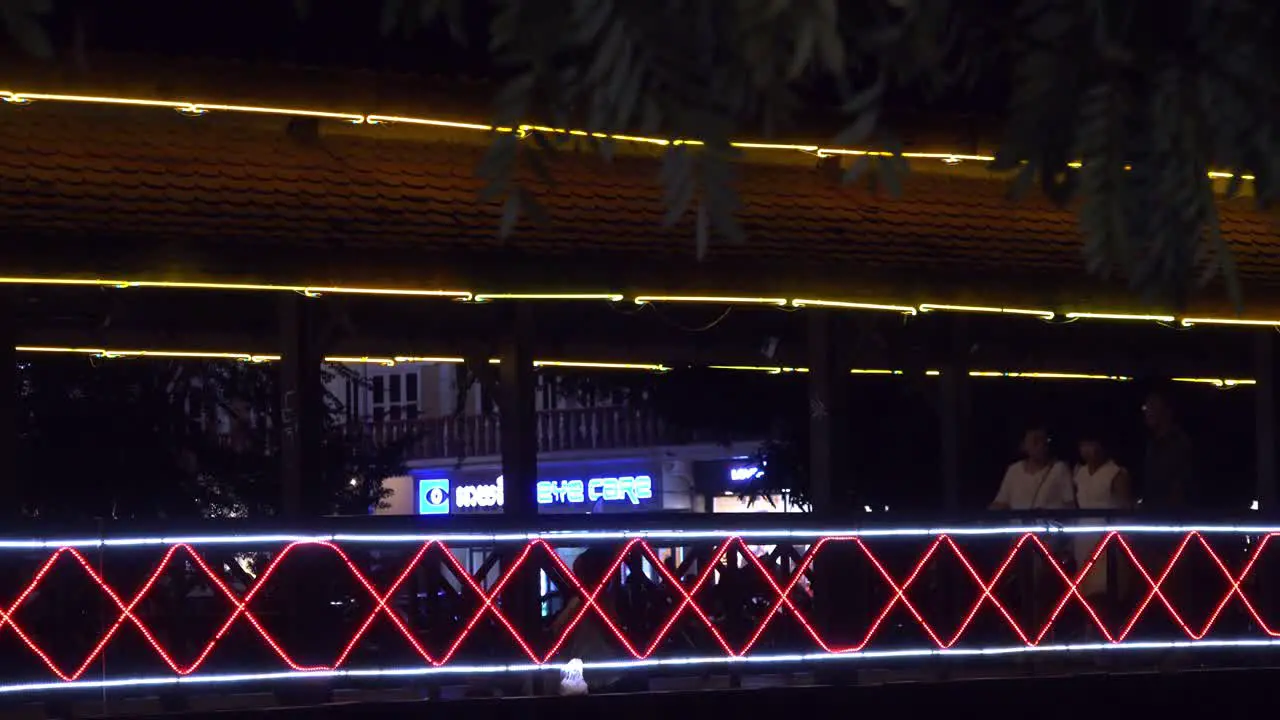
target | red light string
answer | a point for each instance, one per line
(684, 600)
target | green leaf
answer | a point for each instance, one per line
(510, 215)
(1023, 181)
(678, 184)
(804, 42)
(856, 169)
(859, 130)
(869, 95)
(590, 17)
(22, 18)
(533, 208)
(892, 172)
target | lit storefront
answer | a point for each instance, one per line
(608, 487)
(726, 487)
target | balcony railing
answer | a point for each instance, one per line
(601, 428)
(351, 601)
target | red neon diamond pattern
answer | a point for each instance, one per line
(683, 605)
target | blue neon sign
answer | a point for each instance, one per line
(445, 496)
(433, 496)
(627, 488)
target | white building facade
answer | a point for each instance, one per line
(595, 455)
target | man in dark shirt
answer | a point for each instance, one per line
(1169, 474)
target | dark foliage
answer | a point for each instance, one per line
(145, 438)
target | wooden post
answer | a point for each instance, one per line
(1264, 362)
(835, 571)
(301, 408)
(830, 475)
(954, 389)
(518, 417)
(517, 412)
(303, 495)
(10, 497)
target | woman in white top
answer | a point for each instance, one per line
(1037, 482)
(1101, 484)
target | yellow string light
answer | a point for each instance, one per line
(600, 365)
(1046, 375)
(428, 359)
(380, 119)
(361, 360)
(769, 369)
(799, 303)
(1118, 316)
(1191, 321)
(200, 108)
(1217, 382)
(651, 299)
(486, 297)
(311, 290)
(929, 307)
(803, 303)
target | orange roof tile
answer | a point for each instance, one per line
(107, 188)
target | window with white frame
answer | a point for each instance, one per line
(394, 396)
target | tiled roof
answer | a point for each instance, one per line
(152, 191)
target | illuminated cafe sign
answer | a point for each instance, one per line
(622, 493)
(626, 489)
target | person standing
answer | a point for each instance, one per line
(1101, 484)
(1168, 476)
(1037, 481)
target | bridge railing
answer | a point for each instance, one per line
(127, 612)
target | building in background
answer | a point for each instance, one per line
(597, 456)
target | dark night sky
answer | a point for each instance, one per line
(347, 35)
(331, 34)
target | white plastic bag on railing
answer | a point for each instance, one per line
(571, 680)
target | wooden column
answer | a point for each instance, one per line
(301, 407)
(10, 483)
(518, 416)
(836, 572)
(517, 412)
(831, 477)
(1264, 361)
(303, 493)
(954, 385)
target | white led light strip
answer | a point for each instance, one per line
(693, 661)
(606, 535)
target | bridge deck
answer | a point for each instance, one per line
(1226, 693)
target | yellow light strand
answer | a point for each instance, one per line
(1118, 316)
(312, 290)
(768, 369)
(651, 299)
(1044, 314)
(201, 108)
(1191, 321)
(1047, 375)
(1217, 382)
(486, 297)
(799, 303)
(601, 365)
(803, 303)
